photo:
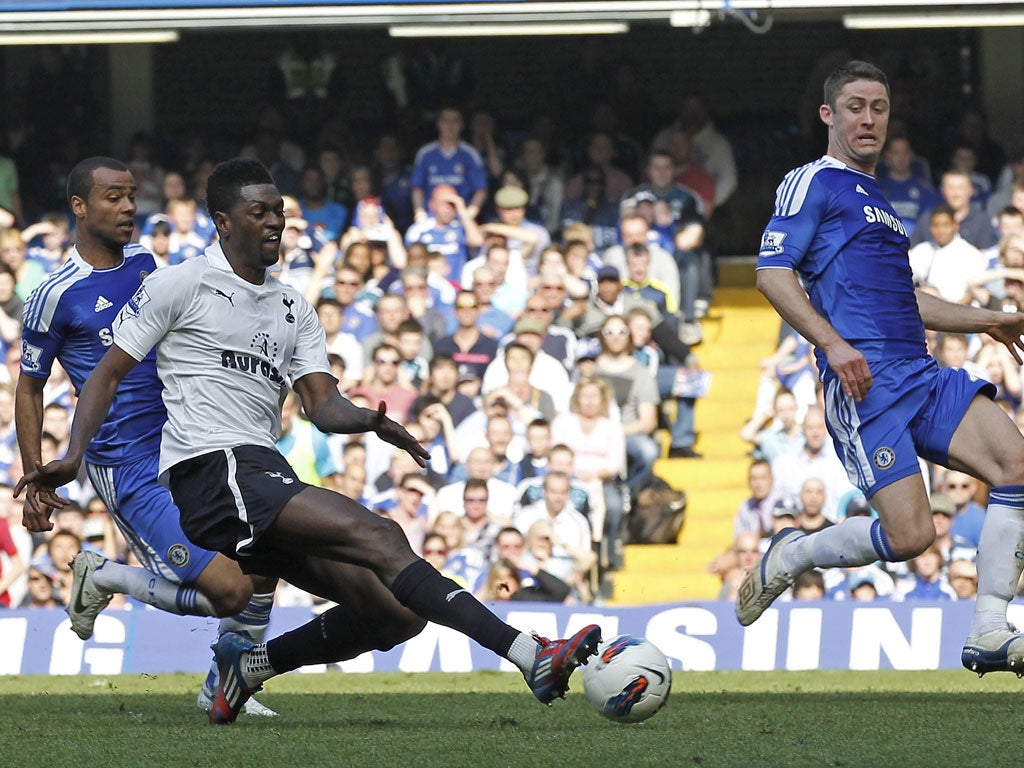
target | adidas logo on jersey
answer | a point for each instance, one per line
(861, 189)
(101, 304)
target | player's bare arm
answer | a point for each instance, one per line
(28, 419)
(1004, 327)
(93, 404)
(782, 288)
(331, 412)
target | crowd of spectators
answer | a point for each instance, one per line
(528, 306)
(529, 319)
(968, 247)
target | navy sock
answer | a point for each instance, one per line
(436, 598)
(332, 636)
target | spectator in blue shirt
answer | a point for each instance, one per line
(451, 161)
(328, 217)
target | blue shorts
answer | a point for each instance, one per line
(912, 409)
(145, 513)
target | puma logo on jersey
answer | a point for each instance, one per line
(102, 303)
(219, 292)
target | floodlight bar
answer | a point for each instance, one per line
(89, 38)
(503, 30)
(690, 18)
(932, 20)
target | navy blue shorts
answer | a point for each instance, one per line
(912, 409)
(229, 498)
(146, 514)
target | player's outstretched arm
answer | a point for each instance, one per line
(782, 288)
(28, 419)
(331, 412)
(941, 315)
(93, 404)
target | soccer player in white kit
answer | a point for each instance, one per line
(230, 339)
(68, 318)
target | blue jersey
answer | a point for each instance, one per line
(68, 318)
(834, 226)
(462, 169)
(447, 239)
(909, 198)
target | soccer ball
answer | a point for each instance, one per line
(629, 679)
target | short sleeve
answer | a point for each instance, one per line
(644, 388)
(152, 311)
(799, 210)
(477, 176)
(40, 348)
(418, 179)
(310, 354)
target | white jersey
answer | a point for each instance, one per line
(226, 352)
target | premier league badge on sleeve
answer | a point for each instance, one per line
(137, 302)
(771, 242)
(30, 356)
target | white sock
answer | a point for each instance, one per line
(256, 667)
(853, 542)
(157, 591)
(999, 563)
(253, 620)
(523, 652)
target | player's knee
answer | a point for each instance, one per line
(1010, 471)
(231, 597)
(910, 544)
(387, 536)
(388, 634)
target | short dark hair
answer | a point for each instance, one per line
(80, 179)
(521, 347)
(637, 249)
(476, 482)
(510, 529)
(412, 325)
(327, 301)
(440, 360)
(225, 183)
(943, 209)
(382, 346)
(848, 73)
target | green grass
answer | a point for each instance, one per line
(733, 719)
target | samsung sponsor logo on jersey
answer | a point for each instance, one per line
(771, 242)
(250, 364)
(873, 214)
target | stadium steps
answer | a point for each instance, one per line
(741, 329)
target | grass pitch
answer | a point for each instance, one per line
(730, 719)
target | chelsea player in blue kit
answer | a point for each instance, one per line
(886, 400)
(68, 318)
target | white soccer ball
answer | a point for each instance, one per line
(628, 680)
